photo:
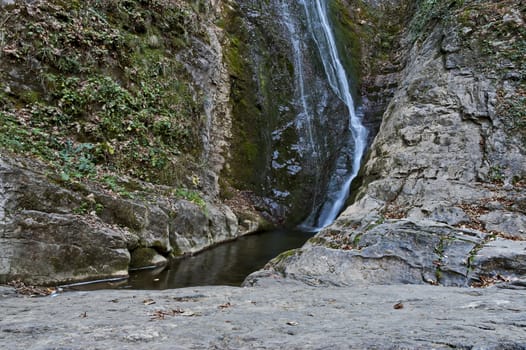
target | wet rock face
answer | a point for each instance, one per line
(51, 234)
(286, 139)
(443, 186)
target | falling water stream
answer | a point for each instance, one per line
(230, 263)
(320, 29)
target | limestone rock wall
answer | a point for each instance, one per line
(51, 233)
(57, 228)
(442, 199)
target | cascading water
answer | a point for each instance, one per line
(340, 183)
(298, 129)
(308, 131)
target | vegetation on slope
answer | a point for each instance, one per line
(96, 87)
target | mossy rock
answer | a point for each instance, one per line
(146, 257)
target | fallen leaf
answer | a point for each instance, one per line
(398, 306)
(148, 301)
(31, 291)
(225, 305)
(161, 314)
(158, 315)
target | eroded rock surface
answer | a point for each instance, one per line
(284, 315)
(51, 233)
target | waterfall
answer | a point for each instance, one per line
(301, 133)
(340, 183)
(305, 116)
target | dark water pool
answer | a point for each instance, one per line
(225, 264)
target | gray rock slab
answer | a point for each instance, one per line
(510, 223)
(45, 248)
(504, 257)
(286, 317)
(396, 251)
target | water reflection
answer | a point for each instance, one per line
(226, 264)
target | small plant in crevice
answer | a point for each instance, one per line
(439, 251)
(88, 207)
(77, 161)
(376, 223)
(191, 196)
(111, 183)
(496, 174)
(356, 241)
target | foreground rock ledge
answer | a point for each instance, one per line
(288, 315)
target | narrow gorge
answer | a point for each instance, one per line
(160, 129)
(388, 135)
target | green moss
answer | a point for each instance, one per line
(191, 196)
(250, 150)
(378, 222)
(430, 12)
(280, 261)
(496, 48)
(348, 37)
(356, 240)
(317, 241)
(254, 111)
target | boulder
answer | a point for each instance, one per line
(194, 228)
(513, 224)
(395, 251)
(503, 258)
(49, 248)
(146, 258)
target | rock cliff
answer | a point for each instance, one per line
(442, 190)
(115, 124)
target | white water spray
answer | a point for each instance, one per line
(305, 117)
